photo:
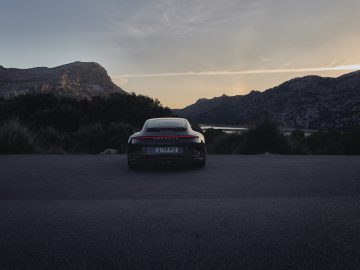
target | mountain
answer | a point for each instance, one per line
(306, 102)
(78, 79)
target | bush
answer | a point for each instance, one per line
(51, 141)
(119, 134)
(96, 138)
(49, 124)
(352, 142)
(266, 137)
(297, 142)
(64, 124)
(211, 135)
(229, 144)
(15, 138)
(66, 114)
(326, 142)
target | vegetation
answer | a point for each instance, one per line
(16, 139)
(44, 123)
(266, 137)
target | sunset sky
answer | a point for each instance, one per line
(179, 51)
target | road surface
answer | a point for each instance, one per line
(240, 212)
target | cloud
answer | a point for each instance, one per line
(264, 58)
(179, 18)
(241, 72)
(120, 80)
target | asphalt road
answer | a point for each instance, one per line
(240, 212)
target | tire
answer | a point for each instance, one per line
(132, 165)
(201, 164)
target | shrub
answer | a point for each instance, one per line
(352, 142)
(297, 142)
(51, 141)
(229, 144)
(15, 138)
(326, 142)
(211, 134)
(118, 136)
(97, 137)
(266, 137)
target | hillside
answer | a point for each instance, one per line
(306, 102)
(78, 79)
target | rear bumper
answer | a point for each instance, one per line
(191, 153)
(166, 159)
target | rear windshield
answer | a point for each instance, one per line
(166, 124)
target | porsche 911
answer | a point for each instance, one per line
(166, 141)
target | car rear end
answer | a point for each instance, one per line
(166, 145)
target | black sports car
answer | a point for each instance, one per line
(166, 140)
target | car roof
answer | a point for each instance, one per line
(167, 120)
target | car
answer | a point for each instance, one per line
(166, 141)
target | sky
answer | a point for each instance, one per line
(180, 50)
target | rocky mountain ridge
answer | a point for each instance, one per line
(305, 102)
(78, 79)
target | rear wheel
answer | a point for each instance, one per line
(201, 164)
(131, 164)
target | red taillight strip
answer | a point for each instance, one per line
(165, 137)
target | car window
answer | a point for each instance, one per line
(166, 124)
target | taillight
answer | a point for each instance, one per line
(166, 137)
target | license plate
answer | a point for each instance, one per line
(167, 150)
(163, 150)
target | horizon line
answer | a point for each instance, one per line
(241, 72)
